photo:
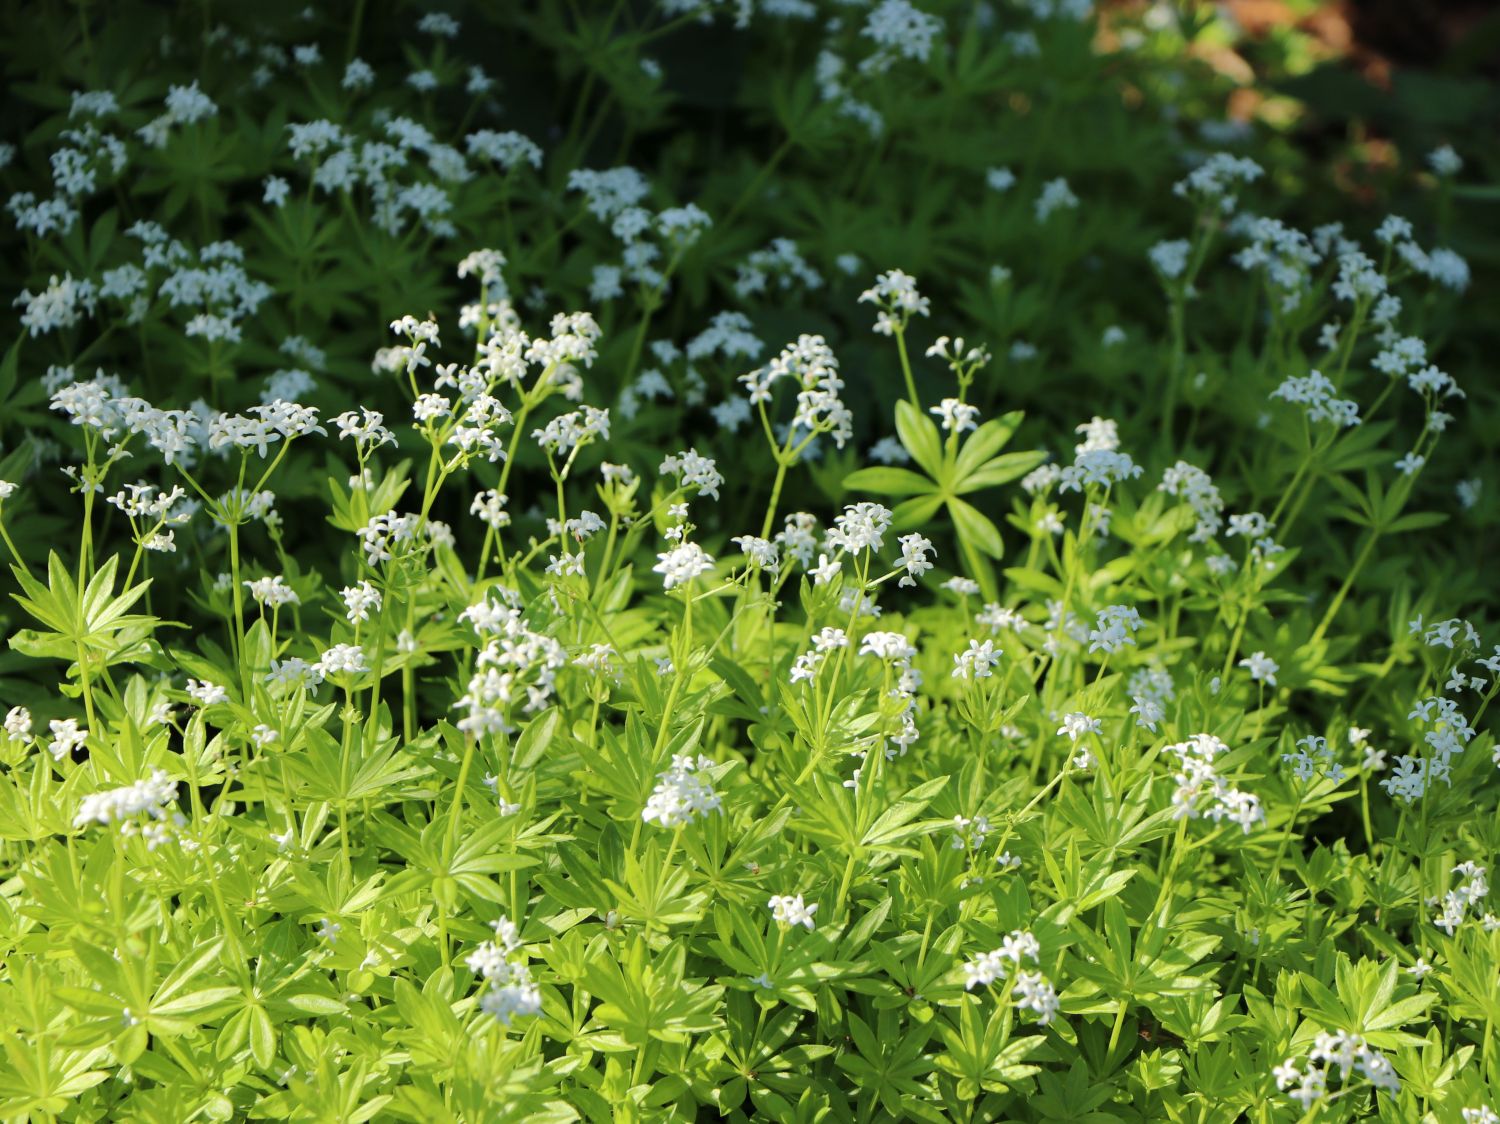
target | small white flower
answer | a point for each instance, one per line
(1262, 668)
(792, 911)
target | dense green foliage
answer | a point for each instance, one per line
(520, 608)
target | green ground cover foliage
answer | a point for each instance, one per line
(799, 560)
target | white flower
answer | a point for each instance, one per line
(66, 736)
(914, 549)
(1444, 161)
(1262, 668)
(694, 470)
(360, 600)
(957, 417)
(1056, 195)
(1076, 725)
(206, 694)
(895, 293)
(1114, 627)
(789, 910)
(150, 797)
(1032, 992)
(977, 662)
(682, 564)
(1000, 179)
(342, 658)
(683, 792)
(18, 725)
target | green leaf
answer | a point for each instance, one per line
(919, 434)
(888, 481)
(975, 528)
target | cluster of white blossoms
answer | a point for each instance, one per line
(1198, 781)
(401, 171)
(1197, 488)
(1030, 989)
(185, 105)
(1467, 895)
(895, 294)
(978, 661)
(1256, 530)
(509, 989)
(683, 562)
(1449, 733)
(896, 650)
(1316, 394)
(805, 666)
(1314, 757)
(1348, 1054)
(1213, 184)
(150, 797)
(360, 600)
(899, 30)
(1114, 628)
(1056, 195)
(694, 471)
(955, 415)
(181, 434)
(988, 967)
(779, 264)
(789, 910)
(516, 662)
(683, 793)
(810, 363)
(615, 196)
(1151, 689)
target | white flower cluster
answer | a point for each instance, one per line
(1467, 895)
(1150, 690)
(1212, 184)
(186, 105)
(515, 661)
(569, 431)
(1256, 529)
(682, 564)
(180, 434)
(509, 989)
(150, 797)
(788, 910)
(1114, 628)
(1262, 668)
(895, 294)
(988, 967)
(1285, 255)
(780, 264)
(894, 648)
(1198, 780)
(805, 667)
(1097, 461)
(900, 30)
(682, 793)
(1196, 487)
(1314, 757)
(810, 363)
(694, 471)
(1450, 733)
(978, 661)
(1349, 1054)
(1056, 196)
(1031, 990)
(955, 416)
(1317, 394)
